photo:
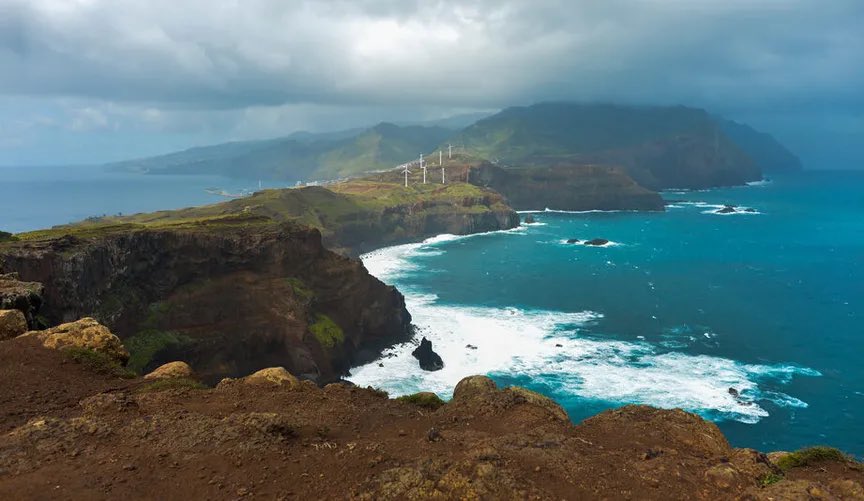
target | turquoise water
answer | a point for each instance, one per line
(32, 198)
(681, 307)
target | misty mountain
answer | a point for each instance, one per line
(660, 147)
(765, 149)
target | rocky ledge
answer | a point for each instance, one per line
(227, 295)
(68, 425)
(570, 187)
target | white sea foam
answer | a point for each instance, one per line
(761, 182)
(557, 211)
(581, 243)
(552, 347)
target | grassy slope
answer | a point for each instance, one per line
(327, 209)
(562, 129)
(321, 156)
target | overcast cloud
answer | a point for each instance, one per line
(98, 80)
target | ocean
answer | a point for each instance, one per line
(679, 308)
(33, 198)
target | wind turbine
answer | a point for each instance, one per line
(423, 166)
(449, 151)
(406, 172)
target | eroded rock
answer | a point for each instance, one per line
(171, 370)
(12, 324)
(85, 333)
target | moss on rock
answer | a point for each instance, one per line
(423, 399)
(326, 331)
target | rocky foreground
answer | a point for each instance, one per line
(74, 424)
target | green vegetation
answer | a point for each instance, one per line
(526, 134)
(326, 331)
(312, 156)
(178, 383)
(7, 237)
(424, 399)
(98, 362)
(300, 289)
(145, 345)
(771, 478)
(810, 456)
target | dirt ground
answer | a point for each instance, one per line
(69, 433)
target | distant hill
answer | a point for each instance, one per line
(300, 156)
(764, 148)
(660, 147)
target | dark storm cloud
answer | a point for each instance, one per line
(168, 63)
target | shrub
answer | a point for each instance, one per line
(98, 362)
(7, 237)
(148, 343)
(300, 289)
(424, 399)
(179, 383)
(326, 331)
(809, 456)
(771, 478)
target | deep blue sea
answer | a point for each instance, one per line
(39, 197)
(681, 307)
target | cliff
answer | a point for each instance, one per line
(659, 147)
(353, 216)
(71, 430)
(765, 149)
(565, 187)
(228, 294)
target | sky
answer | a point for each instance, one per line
(91, 81)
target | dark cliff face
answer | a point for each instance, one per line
(567, 187)
(401, 224)
(229, 301)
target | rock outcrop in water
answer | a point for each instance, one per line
(227, 295)
(270, 436)
(429, 360)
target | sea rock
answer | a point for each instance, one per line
(472, 387)
(573, 240)
(12, 324)
(529, 219)
(85, 333)
(749, 209)
(596, 242)
(171, 370)
(429, 360)
(734, 392)
(729, 209)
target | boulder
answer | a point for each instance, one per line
(539, 400)
(12, 324)
(596, 241)
(529, 219)
(429, 360)
(472, 387)
(273, 376)
(85, 333)
(171, 370)
(23, 296)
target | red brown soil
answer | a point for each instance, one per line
(66, 433)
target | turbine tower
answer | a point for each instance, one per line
(423, 166)
(440, 157)
(406, 172)
(449, 151)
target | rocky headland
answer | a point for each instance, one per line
(228, 294)
(75, 424)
